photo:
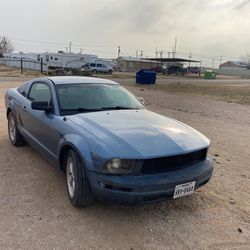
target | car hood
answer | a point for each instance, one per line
(141, 133)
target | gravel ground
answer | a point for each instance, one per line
(36, 214)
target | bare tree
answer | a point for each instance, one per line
(6, 45)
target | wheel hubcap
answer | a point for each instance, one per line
(71, 177)
(12, 128)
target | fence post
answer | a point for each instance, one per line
(41, 65)
(21, 65)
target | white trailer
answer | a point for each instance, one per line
(67, 60)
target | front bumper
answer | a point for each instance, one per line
(144, 189)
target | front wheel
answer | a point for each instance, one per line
(16, 138)
(77, 181)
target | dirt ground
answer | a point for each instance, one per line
(35, 212)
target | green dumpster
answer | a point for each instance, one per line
(209, 74)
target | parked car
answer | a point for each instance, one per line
(157, 69)
(194, 70)
(100, 68)
(110, 146)
(176, 70)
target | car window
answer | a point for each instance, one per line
(99, 65)
(40, 92)
(92, 65)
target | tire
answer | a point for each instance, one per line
(110, 72)
(78, 186)
(16, 138)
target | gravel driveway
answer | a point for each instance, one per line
(36, 214)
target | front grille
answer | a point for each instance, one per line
(164, 164)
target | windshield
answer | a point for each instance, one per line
(75, 98)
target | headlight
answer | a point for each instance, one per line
(119, 166)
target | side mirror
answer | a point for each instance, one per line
(44, 106)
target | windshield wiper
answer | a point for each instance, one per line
(116, 108)
(81, 109)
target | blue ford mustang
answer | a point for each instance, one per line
(111, 147)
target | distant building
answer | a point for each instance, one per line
(234, 64)
(132, 64)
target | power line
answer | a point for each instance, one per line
(33, 41)
(125, 48)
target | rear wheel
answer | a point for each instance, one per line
(16, 138)
(77, 181)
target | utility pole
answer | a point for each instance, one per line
(220, 60)
(161, 53)
(70, 44)
(190, 57)
(212, 63)
(141, 53)
(156, 53)
(175, 46)
(119, 51)
(169, 54)
(81, 51)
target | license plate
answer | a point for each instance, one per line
(184, 189)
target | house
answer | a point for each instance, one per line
(234, 64)
(132, 64)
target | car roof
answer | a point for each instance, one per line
(79, 79)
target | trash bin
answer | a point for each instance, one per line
(209, 74)
(146, 76)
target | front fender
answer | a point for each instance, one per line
(94, 153)
(9, 104)
(12, 102)
(75, 141)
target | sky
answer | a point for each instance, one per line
(205, 28)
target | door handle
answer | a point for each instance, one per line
(24, 108)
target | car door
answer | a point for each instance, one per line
(93, 66)
(99, 67)
(104, 68)
(35, 122)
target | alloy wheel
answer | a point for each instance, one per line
(71, 181)
(12, 128)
